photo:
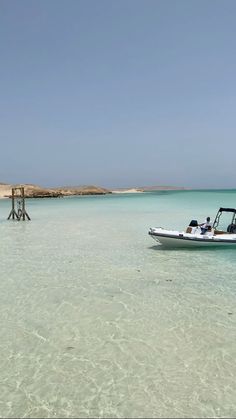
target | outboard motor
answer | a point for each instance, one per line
(193, 223)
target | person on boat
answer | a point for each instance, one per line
(206, 226)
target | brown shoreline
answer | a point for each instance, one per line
(35, 191)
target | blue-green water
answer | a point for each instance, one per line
(97, 321)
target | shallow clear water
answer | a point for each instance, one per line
(97, 321)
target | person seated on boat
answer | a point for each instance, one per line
(206, 226)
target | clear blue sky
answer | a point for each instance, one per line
(118, 92)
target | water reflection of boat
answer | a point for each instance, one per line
(223, 232)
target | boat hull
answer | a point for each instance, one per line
(181, 240)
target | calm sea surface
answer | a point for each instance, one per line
(97, 321)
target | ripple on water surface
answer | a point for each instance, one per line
(97, 321)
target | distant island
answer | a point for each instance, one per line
(148, 189)
(35, 191)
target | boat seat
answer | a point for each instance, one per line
(231, 228)
(189, 229)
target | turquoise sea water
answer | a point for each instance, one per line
(97, 321)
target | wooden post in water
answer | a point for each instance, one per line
(13, 213)
(21, 213)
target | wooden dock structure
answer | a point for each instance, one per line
(18, 211)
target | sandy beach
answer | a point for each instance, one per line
(4, 191)
(132, 190)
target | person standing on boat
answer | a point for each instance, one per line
(206, 226)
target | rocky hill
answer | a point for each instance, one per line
(34, 191)
(82, 190)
